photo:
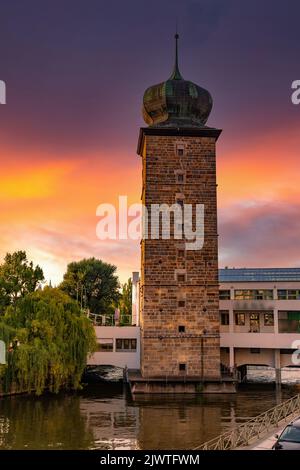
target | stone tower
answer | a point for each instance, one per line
(179, 312)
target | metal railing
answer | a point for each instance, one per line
(109, 320)
(254, 429)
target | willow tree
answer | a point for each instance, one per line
(48, 340)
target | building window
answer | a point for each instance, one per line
(224, 294)
(181, 277)
(255, 350)
(181, 329)
(180, 177)
(253, 294)
(224, 314)
(254, 323)
(288, 294)
(282, 294)
(181, 303)
(269, 319)
(105, 345)
(240, 319)
(289, 321)
(182, 367)
(180, 150)
(126, 344)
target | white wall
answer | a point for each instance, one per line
(131, 359)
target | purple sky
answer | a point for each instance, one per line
(75, 74)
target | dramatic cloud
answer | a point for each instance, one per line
(260, 235)
(75, 74)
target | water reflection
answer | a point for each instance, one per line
(43, 423)
(106, 417)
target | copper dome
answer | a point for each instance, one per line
(176, 102)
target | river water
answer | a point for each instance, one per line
(104, 416)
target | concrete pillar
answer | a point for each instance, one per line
(231, 358)
(275, 312)
(277, 366)
(231, 320)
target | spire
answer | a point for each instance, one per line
(176, 75)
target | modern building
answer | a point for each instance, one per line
(179, 302)
(259, 322)
(259, 316)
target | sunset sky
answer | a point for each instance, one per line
(76, 72)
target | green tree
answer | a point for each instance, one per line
(125, 302)
(48, 340)
(18, 277)
(93, 283)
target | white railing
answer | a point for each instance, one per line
(109, 320)
(256, 428)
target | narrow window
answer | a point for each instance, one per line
(182, 367)
(269, 319)
(180, 150)
(240, 319)
(181, 329)
(224, 317)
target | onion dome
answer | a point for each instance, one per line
(176, 102)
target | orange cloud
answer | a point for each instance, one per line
(264, 168)
(48, 202)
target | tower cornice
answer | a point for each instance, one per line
(176, 131)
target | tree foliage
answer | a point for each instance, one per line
(125, 302)
(48, 339)
(93, 283)
(18, 277)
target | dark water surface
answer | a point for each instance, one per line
(105, 416)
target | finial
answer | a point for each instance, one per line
(176, 75)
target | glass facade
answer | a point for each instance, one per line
(259, 275)
(253, 294)
(288, 294)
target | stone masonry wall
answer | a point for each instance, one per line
(169, 302)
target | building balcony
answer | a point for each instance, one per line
(262, 340)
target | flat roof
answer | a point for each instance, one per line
(259, 274)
